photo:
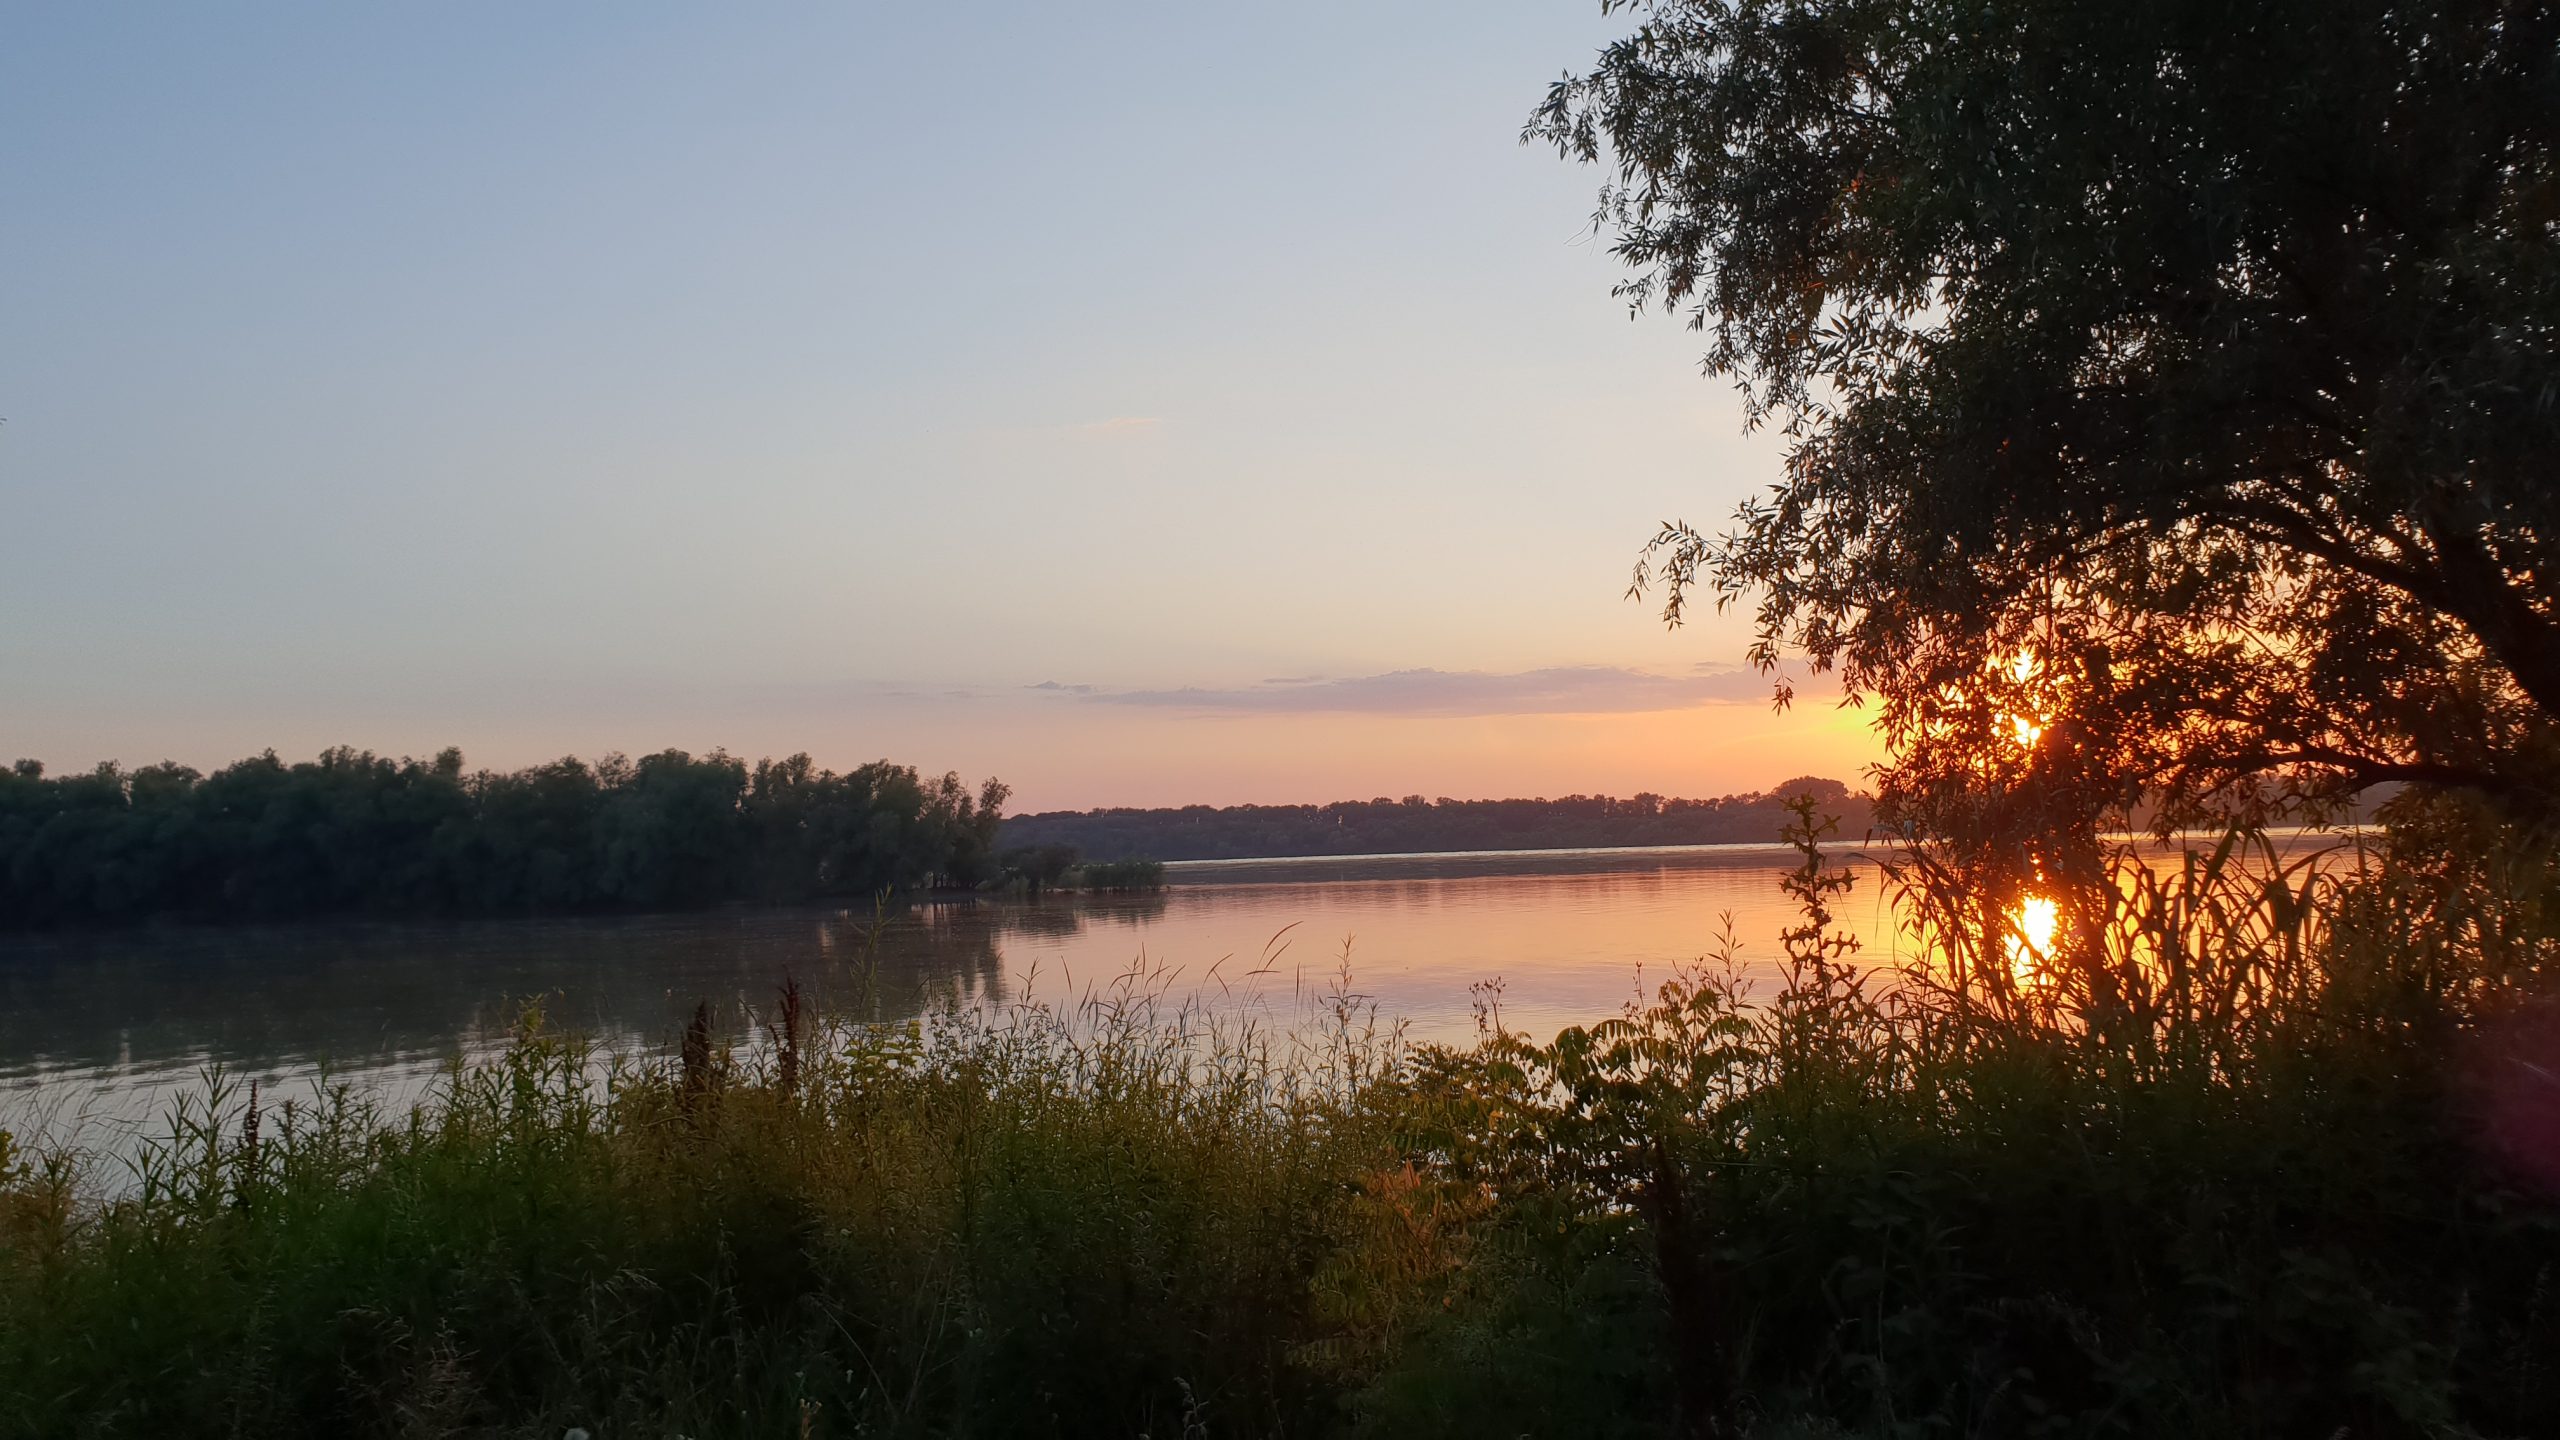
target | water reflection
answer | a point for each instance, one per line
(2032, 928)
(106, 1027)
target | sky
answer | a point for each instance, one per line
(1146, 404)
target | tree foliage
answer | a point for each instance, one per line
(356, 833)
(2201, 354)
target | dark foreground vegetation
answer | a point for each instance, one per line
(2259, 1153)
(357, 833)
(1415, 825)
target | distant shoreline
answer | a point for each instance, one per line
(1413, 825)
(1718, 847)
(1199, 872)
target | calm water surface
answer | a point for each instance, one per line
(99, 1032)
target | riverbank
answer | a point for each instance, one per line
(2287, 1196)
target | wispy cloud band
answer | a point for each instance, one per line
(1556, 690)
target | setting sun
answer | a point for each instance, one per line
(2026, 727)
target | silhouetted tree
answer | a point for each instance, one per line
(1038, 867)
(2207, 355)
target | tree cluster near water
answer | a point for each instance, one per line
(1414, 825)
(353, 833)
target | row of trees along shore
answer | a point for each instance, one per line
(1416, 825)
(356, 833)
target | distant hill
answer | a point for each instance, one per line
(1415, 825)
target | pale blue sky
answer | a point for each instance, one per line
(570, 377)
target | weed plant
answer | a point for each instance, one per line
(2251, 1146)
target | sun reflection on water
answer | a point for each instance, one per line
(2032, 927)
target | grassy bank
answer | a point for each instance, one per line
(2247, 1154)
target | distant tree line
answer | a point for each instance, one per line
(1414, 824)
(353, 833)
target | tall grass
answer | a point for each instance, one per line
(2215, 1165)
(1098, 1221)
(2245, 1153)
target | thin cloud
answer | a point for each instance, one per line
(1557, 690)
(1118, 425)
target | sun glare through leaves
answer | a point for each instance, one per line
(2031, 931)
(2026, 726)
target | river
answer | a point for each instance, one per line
(100, 1031)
